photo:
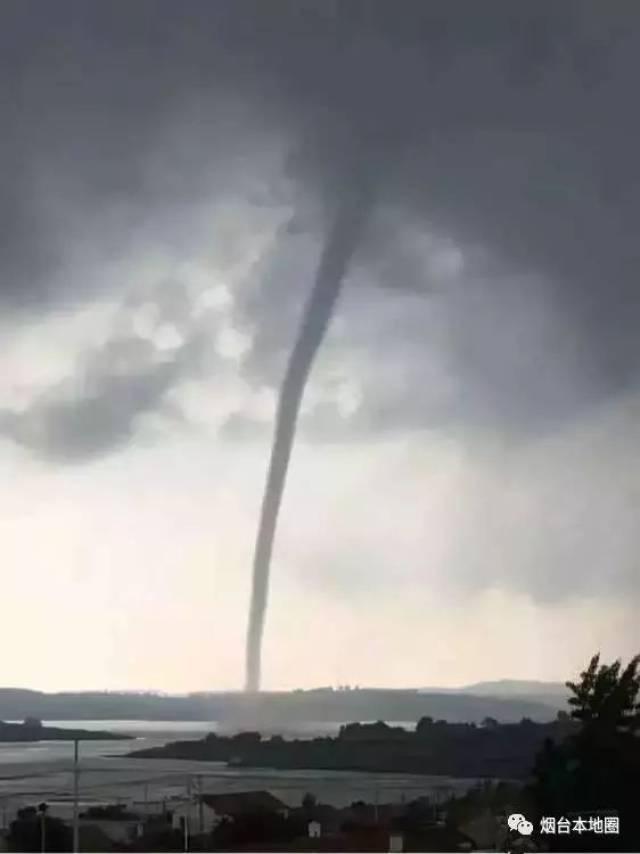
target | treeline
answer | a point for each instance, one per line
(435, 747)
(34, 731)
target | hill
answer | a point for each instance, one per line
(554, 693)
(270, 709)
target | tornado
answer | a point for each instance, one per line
(339, 246)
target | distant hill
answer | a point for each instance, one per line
(273, 709)
(551, 695)
(516, 688)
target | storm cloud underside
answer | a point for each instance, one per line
(509, 140)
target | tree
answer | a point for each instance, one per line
(247, 738)
(606, 699)
(596, 769)
(309, 801)
(424, 725)
(25, 832)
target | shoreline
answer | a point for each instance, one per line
(497, 751)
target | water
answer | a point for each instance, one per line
(43, 770)
(147, 734)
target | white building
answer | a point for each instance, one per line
(396, 843)
(315, 830)
(199, 818)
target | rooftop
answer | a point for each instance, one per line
(237, 803)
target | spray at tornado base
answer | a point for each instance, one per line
(340, 244)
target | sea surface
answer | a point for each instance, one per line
(39, 771)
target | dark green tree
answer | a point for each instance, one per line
(309, 801)
(596, 770)
(25, 832)
(607, 699)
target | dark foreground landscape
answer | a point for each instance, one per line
(579, 772)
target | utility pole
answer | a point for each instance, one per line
(200, 811)
(42, 809)
(76, 828)
(186, 815)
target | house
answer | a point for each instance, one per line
(315, 830)
(193, 816)
(236, 804)
(396, 842)
(328, 818)
(203, 814)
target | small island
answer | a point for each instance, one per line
(32, 729)
(491, 750)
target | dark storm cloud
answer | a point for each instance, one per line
(507, 127)
(97, 408)
(93, 152)
(82, 427)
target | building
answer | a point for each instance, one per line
(315, 830)
(396, 842)
(203, 814)
(236, 804)
(329, 819)
(192, 817)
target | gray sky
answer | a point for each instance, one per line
(463, 498)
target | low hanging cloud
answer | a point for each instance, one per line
(458, 513)
(153, 346)
(496, 283)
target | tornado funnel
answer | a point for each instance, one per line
(339, 247)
